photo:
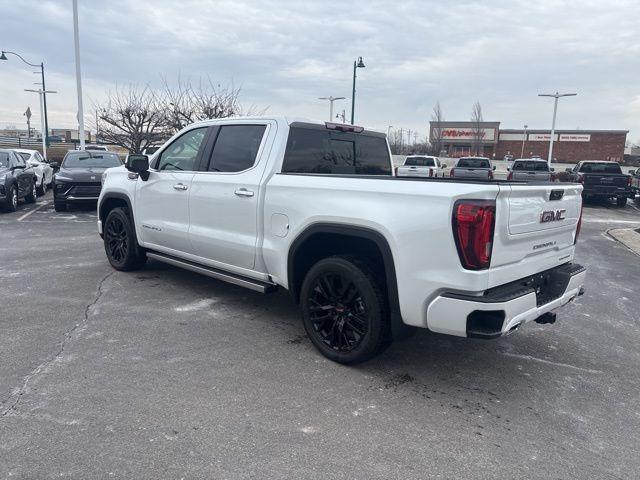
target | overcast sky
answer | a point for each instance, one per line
(285, 54)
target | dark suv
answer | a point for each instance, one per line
(17, 180)
(79, 179)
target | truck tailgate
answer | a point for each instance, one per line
(535, 229)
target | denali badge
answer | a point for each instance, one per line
(552, 216)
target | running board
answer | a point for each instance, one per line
(250, 283)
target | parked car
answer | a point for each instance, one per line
(101, 148)
(602, 180)
(530, 169)
(635, 185)
(17, 181)
(508, 157)
(79, 177)
(315, 208)
(475, 168)
(420, 166)
(44, 171)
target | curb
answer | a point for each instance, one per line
(629, 237)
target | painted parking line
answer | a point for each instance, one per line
(32, 211)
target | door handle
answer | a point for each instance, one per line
(243, 192)
(180, 186)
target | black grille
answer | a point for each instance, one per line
(85, 190)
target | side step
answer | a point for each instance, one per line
(250, 283)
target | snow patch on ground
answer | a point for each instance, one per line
(198, 305)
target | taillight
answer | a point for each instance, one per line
(451, 174)
(490, 174)
(581, 178)
(396, 171)
(510, 176)
(629, 181)
(553, 177)
(578, 226)
(431, 172)
(473, 226)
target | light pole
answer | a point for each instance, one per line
(76, 41)
(42, 93)
(331, 100)
(45, 133)
(356, 64)
(524, 139)
(556, 96)
(389, 130)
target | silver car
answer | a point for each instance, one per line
(44, 171)
(473, 168)
(530, 169)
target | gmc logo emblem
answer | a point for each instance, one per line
(552, 216)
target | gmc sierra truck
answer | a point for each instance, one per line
(315, 208)
(602, 180)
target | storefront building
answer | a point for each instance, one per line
(570, 146)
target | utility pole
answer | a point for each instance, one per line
(331, 100)
(556, 96)
(43, 117)
(76, 41)
(524, 139)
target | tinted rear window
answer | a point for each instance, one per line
(531, 166)
(601, 168)
(474, 163)
(419, 162)
(330, 152)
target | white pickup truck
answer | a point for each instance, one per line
(420, 166)
(315, 208)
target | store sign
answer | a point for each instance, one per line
(512, 137)
(541, 137)
(487, 134)
(575, 137)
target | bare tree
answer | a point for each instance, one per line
(477, 129)
(435, 136)
(187, 102)
(132, 118)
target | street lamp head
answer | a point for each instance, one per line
(3, 56)
(360, 63)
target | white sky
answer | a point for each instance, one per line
(285, 54)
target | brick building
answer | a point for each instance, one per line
(569, 146)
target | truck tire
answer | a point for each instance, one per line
(120, 244)
(621, 201)
(344, 309)
(637, 200)
(59, 206)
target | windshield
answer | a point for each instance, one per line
(474, 163)
(4, 159)
(601, 168)
(531, 166)
(419, 162)
(91, 160)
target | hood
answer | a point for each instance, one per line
(82, 174)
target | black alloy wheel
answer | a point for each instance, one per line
(120, 244)
(345, 309)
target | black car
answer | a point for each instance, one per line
(17, 180)
(602, 179)
(79, 177)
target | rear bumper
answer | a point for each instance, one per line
(503, 309)
(608, 192)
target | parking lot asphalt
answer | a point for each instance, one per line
(162, 373)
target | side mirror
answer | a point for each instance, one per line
(444, 165)
(138, 164)
(568, 170)
(552, 169)
(508, 169)
(54, 165)
(494, 167)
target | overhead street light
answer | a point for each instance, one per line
(45, 133)
(331, 100)
(357, 64)
(556, 96)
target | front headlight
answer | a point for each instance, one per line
(104, 177)
(60, 178)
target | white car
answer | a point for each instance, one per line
(269, 202)
(44, 171)
(420, 166)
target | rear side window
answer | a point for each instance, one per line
(4, 159)
(322, 151)
(600, 168)
(419, 162)
(474, 163)
(236, 148)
